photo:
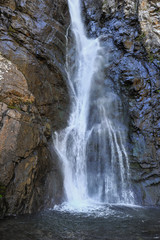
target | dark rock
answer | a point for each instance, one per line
(133, 68)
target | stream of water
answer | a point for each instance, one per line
(92, 148)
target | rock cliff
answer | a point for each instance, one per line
(130, 34)
(34, 96)
(33, 101)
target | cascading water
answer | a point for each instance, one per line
(92, 147)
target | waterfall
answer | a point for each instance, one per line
(92, 147)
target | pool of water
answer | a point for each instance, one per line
(103, 223)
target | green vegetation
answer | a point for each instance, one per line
(29, 101)
(151, 57)
(14, 107)
(149, 81)
(2, 191)
(157, 91)
(11, 29)
(141, 37)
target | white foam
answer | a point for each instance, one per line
(109, 182)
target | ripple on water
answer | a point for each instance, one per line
(103, 222)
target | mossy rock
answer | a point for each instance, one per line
(14, 107)
(11, 29)
(141, 37)
(135, 165)
(2, 191)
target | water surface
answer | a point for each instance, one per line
(103, 223)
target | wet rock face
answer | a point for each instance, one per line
(128, 31)
(33, 101)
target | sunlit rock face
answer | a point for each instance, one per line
(149, 18)
(129, 33)
(33, 101)
(33, 38)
